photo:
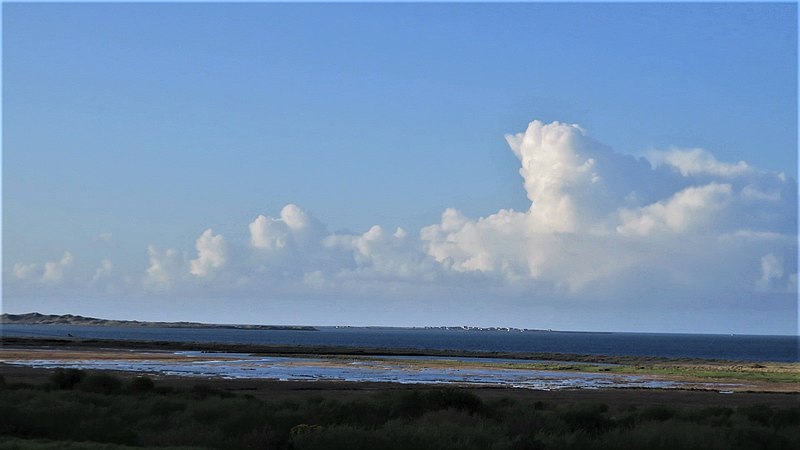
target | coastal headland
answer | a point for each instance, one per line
(36, 318)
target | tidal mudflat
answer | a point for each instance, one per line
(377, 369)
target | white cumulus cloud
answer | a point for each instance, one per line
(674, 226)
(104, 271)
(696, 161)
(598, 221)
(771, 269)
(774, 276)
(690, 207)
(54, 270)
(383, 254)
(597, 215)
(295, 227)
(164, 268)
(672, 231)
(559, 168)
(24, 271)
(104, 237)
(211, 254)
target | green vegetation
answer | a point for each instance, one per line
(769, 372)
(701, 371)
(88, 410)
(7, 443)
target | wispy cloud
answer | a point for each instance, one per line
(696, 162)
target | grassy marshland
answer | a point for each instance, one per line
(700, 370)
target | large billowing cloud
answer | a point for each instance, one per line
(596, 216)
(677, 225)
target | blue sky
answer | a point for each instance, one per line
(129, 126)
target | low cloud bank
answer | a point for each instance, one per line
(600, 225)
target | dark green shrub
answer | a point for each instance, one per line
(667, 435)
(761, 414)
(187, 433)
(713, 415)
(66, 378)
(164, 407)
(410, 404)
(99, 410)
(362, 413)
(526, 443)
(164, 390)
(522, 420)
(657, 413)
(207, 411)
(260, 437)
(201, 391)
(101, 383)
(140, 385)
(105, 428)
(587, 417)
(789, 417)
(415, 403)
(340, 438)
(746, 438)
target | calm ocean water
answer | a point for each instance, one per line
(743, 348)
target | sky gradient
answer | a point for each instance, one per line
(626, 167)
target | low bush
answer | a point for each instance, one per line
(66, 378)
(789, 417)
(415, 403)
(102, 409)
(140, 385)
(100, 383)
(587, 417)
(657, 413)
(714, 415)
(201, 391)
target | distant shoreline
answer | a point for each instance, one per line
(35, 318)
(70, 319)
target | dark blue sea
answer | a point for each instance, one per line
(732, 347)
